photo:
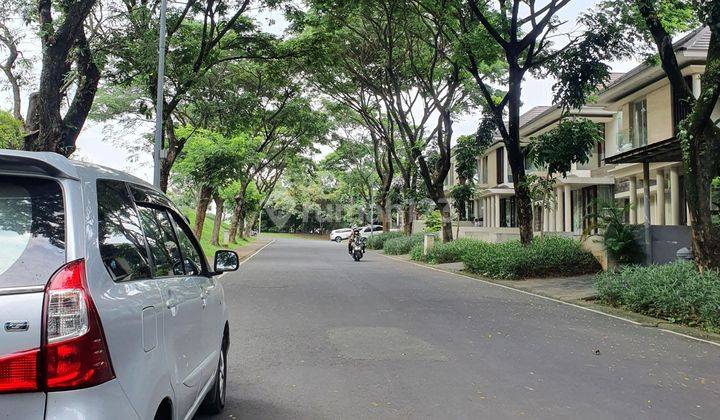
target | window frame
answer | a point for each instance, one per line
(185, 227)
(174, 233)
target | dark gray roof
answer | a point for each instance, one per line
(697, 40)
(532, 113)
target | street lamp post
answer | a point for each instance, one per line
(160, 98)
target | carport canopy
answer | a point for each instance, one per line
(662, 151)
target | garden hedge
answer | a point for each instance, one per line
(676, 292)
(543, 257)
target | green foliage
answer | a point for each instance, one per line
(416, 253)
(209, 158)
(451, 251)
(676, 292)
(378, 241)
(208, 248)
(433, 221)
(618, 237)
(11, 132)
(543, 257)
(467, 149)
(462, 193)
(402, 245)
(570, 142)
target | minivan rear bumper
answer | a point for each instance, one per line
(106, 401)
(25, 406)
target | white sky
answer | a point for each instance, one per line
(95, 146)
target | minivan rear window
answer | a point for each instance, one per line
(32, 230)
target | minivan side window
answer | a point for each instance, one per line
(161, 239)
(122, 243)
(191, 255)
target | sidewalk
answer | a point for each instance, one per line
(249, 249)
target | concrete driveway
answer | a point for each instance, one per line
(316, 335)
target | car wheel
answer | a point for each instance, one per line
(338, 239)
(214, 401)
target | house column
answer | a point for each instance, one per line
(675, 196)
(559, 212)
(546, 219)
(567, 207)
(696, 87)
(646, 211)
(551, 217)
(660, 197)
(486, 212)
(496, 198)
(633, 200)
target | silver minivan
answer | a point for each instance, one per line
(108, 306)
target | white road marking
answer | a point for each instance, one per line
(250, 256)
(465, 276)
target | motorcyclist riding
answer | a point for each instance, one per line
(355, 233)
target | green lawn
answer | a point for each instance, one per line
(207, 234)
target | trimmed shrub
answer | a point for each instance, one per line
(544, 257)
(378, 241)
(451, 251)
(416, 253)
(676, 292)
(402, 245)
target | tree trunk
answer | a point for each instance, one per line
(238, 214)
(219, 206)
(385, 215)
(47, 129)
(517, 159)
(447, 235)
(408, 218)
(201, 209)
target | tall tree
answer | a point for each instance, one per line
(69, 72)
(209, 161)
(201, 34)
(522, 32)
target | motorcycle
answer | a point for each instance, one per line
(358, 248)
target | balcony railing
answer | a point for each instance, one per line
(628, 140)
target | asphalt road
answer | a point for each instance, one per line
(318, 336)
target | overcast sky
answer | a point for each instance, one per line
(94, 144)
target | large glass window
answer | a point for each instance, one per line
(500, 165)
(162, 242)
(32, 230)
(639, 123)
(122, 243)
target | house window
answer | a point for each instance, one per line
(500, 159)
(680, 108)
(638, 123)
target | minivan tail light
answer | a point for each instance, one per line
(19, 372)
(75, 353)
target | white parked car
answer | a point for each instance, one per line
(108, 306)
(338, 235)
(366, 231)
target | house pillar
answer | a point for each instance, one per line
(696, 87)
(675, 209)
(633, 200)
(660, 197)
(496, 205)
(551, 217)
(567, 208)
(646, 211)
(559, 212)
(488, 212)
(546, 219)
